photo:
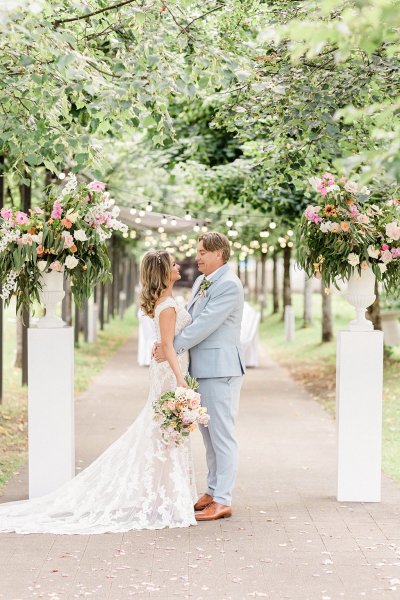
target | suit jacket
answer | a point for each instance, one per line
(213, 338)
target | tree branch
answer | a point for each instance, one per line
(96, 12)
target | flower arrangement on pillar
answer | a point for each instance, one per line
(348, 236)
(66, 235)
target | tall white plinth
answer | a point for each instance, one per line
(50, 409)
(359, 380)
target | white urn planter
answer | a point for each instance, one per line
(360, 293)
(50, 295)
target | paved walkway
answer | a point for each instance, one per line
(288, 537)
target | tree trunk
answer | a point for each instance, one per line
(246, 273)
(1, 301)
(256, 291)
(263, 288)
(238, 269)
(327, 326)
(307, 313)
(374, 311)
(287, 294)
(275, 289)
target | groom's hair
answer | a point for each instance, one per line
(212, 241)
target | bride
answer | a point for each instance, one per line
(138, 482)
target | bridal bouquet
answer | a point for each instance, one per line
(178, 412)
(68, 232)
(345, 232)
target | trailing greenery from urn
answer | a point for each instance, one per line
(68, 233)
(346, 232)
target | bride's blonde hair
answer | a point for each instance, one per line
(155, 277)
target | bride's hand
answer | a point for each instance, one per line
(181, 382)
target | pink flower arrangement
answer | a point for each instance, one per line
(179, 412)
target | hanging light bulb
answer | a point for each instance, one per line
(196, 227)
(290, 244)
(133, 211)
(229, 222)
(272, 225)
(264, 233)
(149, 207)
(204, 229)
(271, 248)
(188, 216)
(164, 220)
(142, 213)
(125, 234)
(133, 234)
(290, 232)
(138, 220)
(173, 222)
(161, 230)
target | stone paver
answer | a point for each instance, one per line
(288, 538)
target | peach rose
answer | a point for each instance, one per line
(344, 226)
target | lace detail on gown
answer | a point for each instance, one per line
(137, 483)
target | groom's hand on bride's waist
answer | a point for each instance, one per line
(158, 354)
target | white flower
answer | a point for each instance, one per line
(382, 267)
(325, 227)
(334, 227)
(72, 216)
(71, 262)
(80, 235)
(365, 191)
(351, 187)
(373, 252)
(332, 188)
(41, 265)
(393, 231)
(315, 182)
(386, 256)
(38, 238)
(353, 259)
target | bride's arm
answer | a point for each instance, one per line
(167, 320)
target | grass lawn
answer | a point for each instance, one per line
(89, 360)
(313, 364)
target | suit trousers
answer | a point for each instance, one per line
(221, 396)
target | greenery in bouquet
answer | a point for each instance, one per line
(67, 233)
(179, 411)
(347, 232)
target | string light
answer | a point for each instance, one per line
(161, 230)
(290, 244)
(272, 225)
(204, 229)
(138, 220)
(264, 233)
(290, 232)
(188, 216)
(229, 222)
(133, 211)
(232, 233)
(125, 234)
(149, 207)
(173, 222)
(196, 227)
(164, 220)
(142, 213)
(271, 248)
(133, 234)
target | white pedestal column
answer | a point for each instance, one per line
(50, 409)
(359, 381)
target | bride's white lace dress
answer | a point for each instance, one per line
(137, 483)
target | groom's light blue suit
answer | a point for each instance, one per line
(216, 361)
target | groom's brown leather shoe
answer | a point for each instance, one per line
(213, 512)
(203, 502)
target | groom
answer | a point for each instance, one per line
(216, 361)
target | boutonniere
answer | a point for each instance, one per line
(205, 284)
